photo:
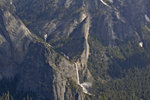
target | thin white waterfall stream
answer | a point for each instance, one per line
(104, 3)
(83, 85)
(141, 44)
(65, 55)
(77, 74)
(147, 18)
(45, 37)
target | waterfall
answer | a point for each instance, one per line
(147, 18)
(45, 37)
(104, 3)
(83, 85)
(65, 55)
(77, 74)
(141, 44)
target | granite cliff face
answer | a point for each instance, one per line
(117, 18)
(40, 69)
(15, 38)
(58, 48)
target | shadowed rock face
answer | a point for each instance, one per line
(36, 74)
(110, 20)
(15, 38)
(40, 69)
(67, 24)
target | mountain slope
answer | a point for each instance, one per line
(75, 49)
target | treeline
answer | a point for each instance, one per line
(133, 86)
(121, 72)
(8, 91)
(8, 96)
